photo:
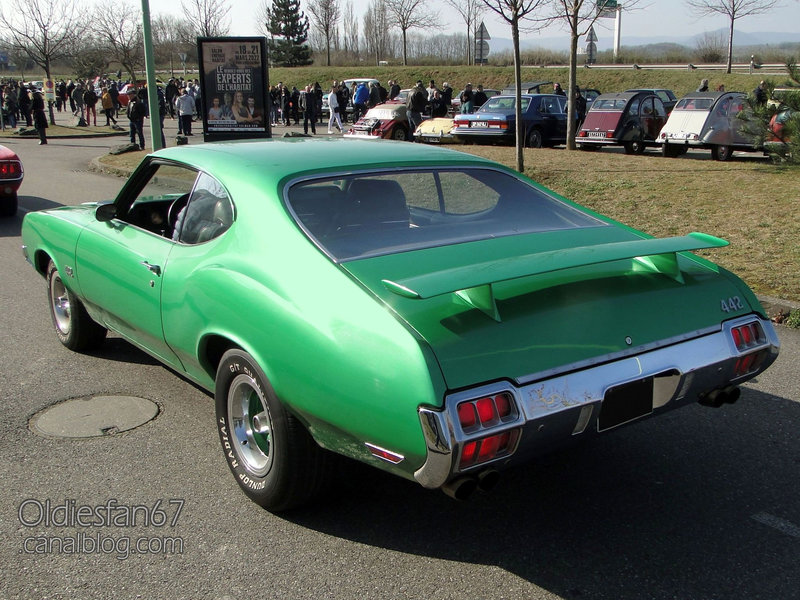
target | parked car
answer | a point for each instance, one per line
(456, 101)
(544, 117)
(629, 119)
(437, 131)
(777, 124)
(385, 121)
(706, 120)
(326, 110)
(667, 97)
(526, 87)
(430, 313)
(11, 174)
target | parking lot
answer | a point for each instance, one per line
(698, 504)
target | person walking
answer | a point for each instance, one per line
(309, 107)
(39, 117)
(90, 101)
(107, 102)
(185, 108)
(333, 105)
(136, 112)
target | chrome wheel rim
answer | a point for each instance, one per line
(59, 305)
(251, 424)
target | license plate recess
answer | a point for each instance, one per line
(625, 403)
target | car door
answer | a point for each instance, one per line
(121, 263)
(553, 118)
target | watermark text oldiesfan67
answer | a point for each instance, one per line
(87, 519)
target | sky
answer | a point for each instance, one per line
(651, 17)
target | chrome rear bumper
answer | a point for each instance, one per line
(552, 409)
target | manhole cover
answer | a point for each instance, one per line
(94, 416)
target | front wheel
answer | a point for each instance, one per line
(274, 459)
(535, 139)
(721, 153)
(74, 327)
(399, 134)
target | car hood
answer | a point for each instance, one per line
(514, 307)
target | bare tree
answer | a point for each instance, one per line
(42, 30)
(208, 18)
(410, 14)
(350, 30)
(325, 16)
(471, 11)
(733, 9)
(170, 37)
(120, 34)
(376, 29)
(513, 12)
(579, 17)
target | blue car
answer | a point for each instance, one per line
(544, 117)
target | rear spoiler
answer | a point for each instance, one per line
(472, 283)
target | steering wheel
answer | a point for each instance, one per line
(174, 210)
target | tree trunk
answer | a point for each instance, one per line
(518, 93)
(573, 77)
(730, 47)
(405, 53)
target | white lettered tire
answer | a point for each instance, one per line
(274, 459)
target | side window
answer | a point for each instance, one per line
(633, 110)
(165, 187)
(208, 214)
(658, 108)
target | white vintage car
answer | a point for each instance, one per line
(707, 120)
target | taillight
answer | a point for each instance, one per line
(10, 169)
(460, 122)
(488, 448)
(582, 133)
(748, 336)
(750, 363)
(487, 411)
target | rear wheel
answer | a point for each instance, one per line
(634, 147)
(74, 327)
(274, 459)
(671, 151)
(721, 153)
(535, 139)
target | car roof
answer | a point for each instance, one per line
(623, 95)
(265, 163)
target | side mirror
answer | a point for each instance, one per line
(106, 212)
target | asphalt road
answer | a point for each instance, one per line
(699, 504)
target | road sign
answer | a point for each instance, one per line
(483, 33)
(607, 9)
(481, 50)
(592, 37)
(182, 56)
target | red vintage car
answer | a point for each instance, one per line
(11, 173)
(629, 119)
(387, 121)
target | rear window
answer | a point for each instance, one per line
(370, 214)
(609, 104)
(694, 104)
(503, 103)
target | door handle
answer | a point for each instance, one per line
(154, 269)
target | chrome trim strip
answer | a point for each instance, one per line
(382, 453)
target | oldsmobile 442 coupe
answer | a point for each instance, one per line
(425, 311)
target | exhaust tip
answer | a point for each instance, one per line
(488, 480)
(460, 489)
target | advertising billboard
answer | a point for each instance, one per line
(234, 82)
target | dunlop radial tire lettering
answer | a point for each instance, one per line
(273, 458)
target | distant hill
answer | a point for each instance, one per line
(605, 41)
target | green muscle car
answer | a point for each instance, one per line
(422, 310)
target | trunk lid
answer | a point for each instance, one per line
(537, 302)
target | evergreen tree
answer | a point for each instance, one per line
(288, 29)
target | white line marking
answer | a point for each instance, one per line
(781, 525)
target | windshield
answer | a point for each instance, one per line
(503, 104)
(385, 113)
(369, 214)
